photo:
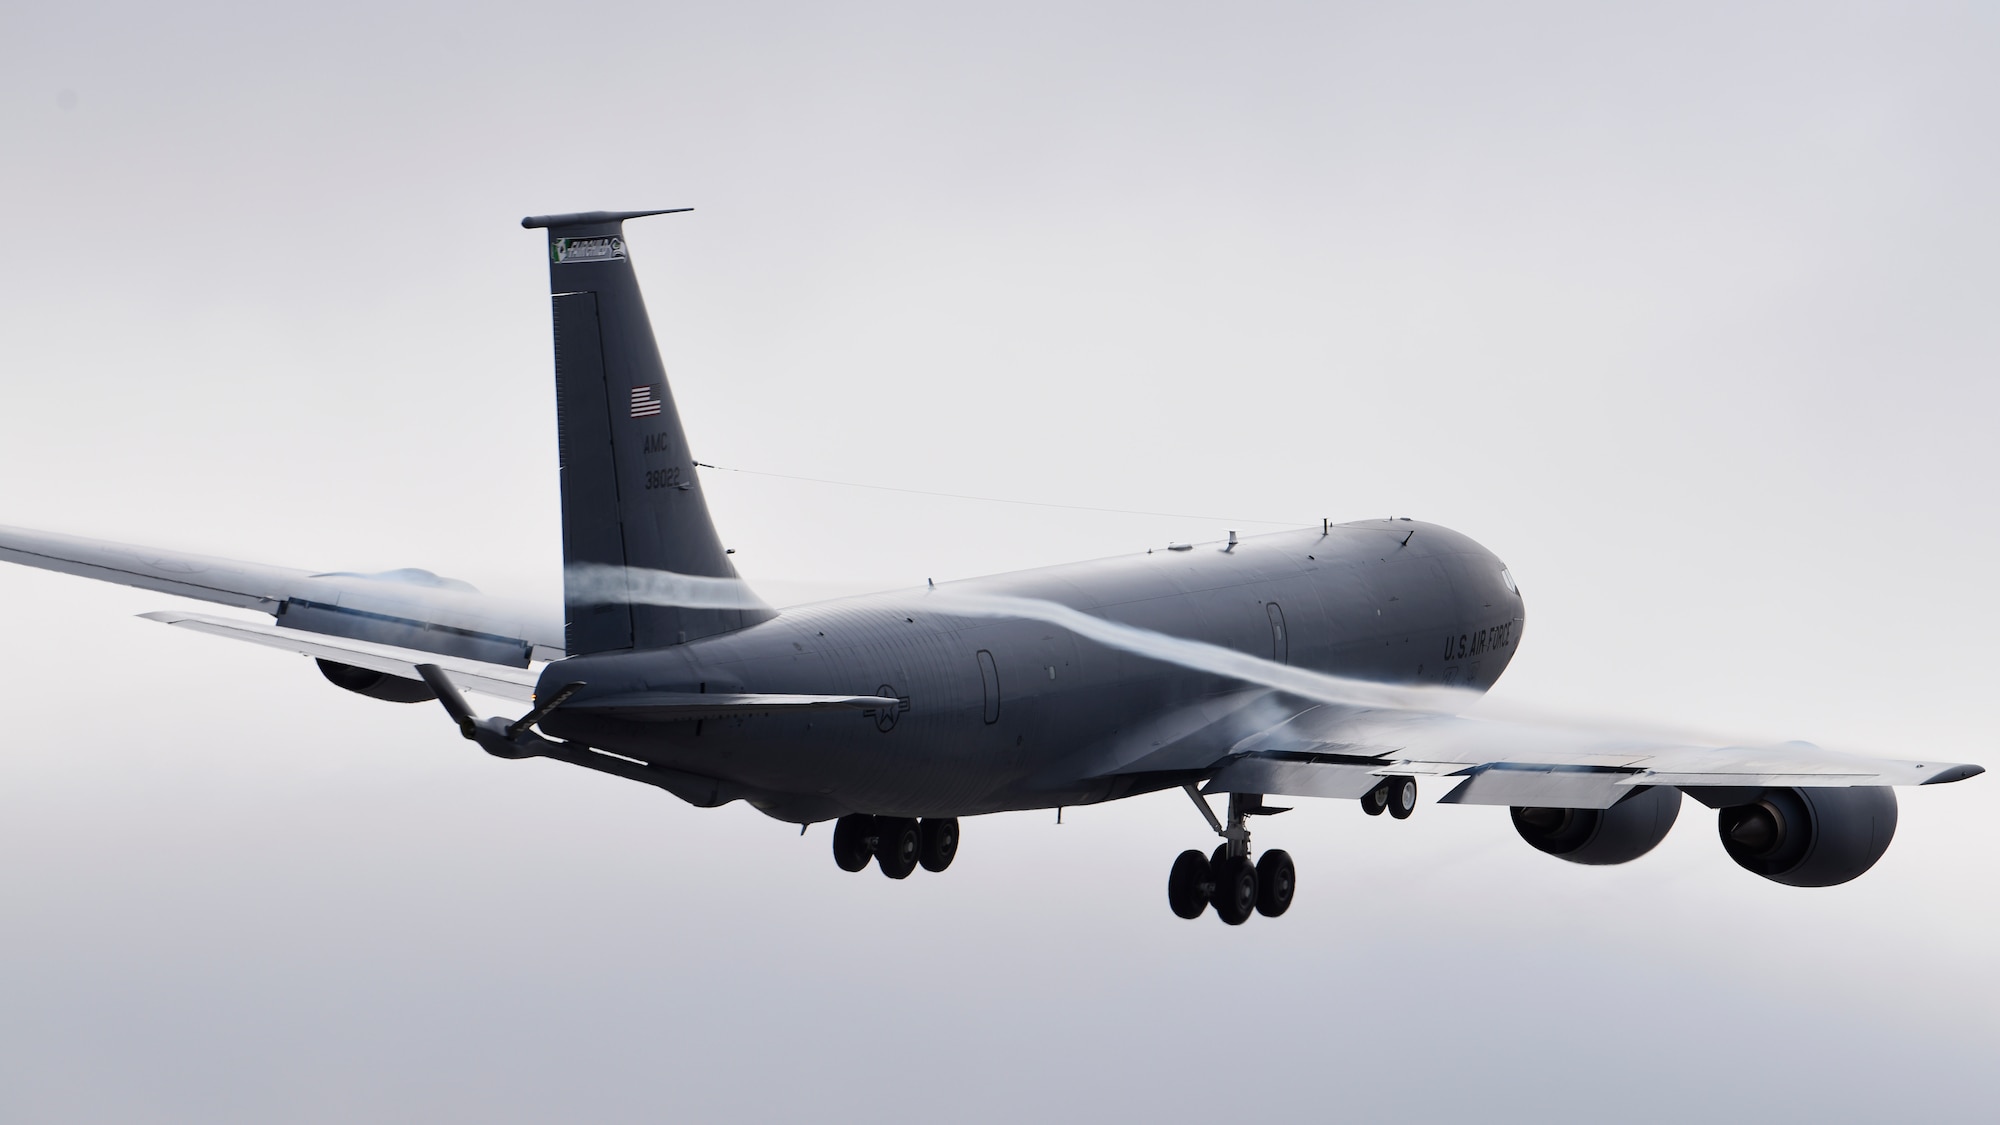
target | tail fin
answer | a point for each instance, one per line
(631, 504)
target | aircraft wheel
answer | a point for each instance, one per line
(937, 842)
(851, 849)
(897, 843)
(1188, 885)
(1375, 800)
(1235, 894)
(1277, 879)
(1402, 797)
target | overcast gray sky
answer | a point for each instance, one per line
(1686, 311)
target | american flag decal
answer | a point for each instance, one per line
(646, 401)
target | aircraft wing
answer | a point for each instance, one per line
(1333, 751)
(409, 609)
(244, 585)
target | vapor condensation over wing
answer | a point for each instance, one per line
(598, 582)
(1498, 723)
(1204, 657)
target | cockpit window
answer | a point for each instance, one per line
(1507, 576)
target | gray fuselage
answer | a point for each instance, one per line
(1013, 712)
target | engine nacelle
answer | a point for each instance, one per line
(1619, 834)
(373, 684)
(1810, 837)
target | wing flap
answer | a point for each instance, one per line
(1252, 773)
(1561, 787)
(487, 679)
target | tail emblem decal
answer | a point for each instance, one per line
(646, 401)
(607, 249)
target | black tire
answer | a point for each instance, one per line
(851, 841)
(1189, 884)
(937, 842)
(897, 842)
(1375, 800)
(1402, 797)
(1277, 880)
(1235, 893)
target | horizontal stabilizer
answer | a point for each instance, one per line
(673, 707)
(487, 679)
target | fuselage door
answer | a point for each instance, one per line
(989, 677)
(1280, 647)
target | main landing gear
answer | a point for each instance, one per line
(1226, 878)
(897, 844)
(1396, 794)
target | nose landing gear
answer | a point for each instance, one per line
(1227, 879)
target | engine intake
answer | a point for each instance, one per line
(1619, 834)
(1813, 837)
(373, 684)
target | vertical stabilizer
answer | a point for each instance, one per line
(642, 564)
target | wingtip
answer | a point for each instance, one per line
(1956, 773)
(593, 218)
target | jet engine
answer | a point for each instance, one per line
(373, 684)
(1810, 837)
(1619, 834)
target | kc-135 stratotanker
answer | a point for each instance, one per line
(1337, 661)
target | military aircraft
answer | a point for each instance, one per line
(1337, 661)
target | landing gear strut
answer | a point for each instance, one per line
(1227, 879)
(1235, 893)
